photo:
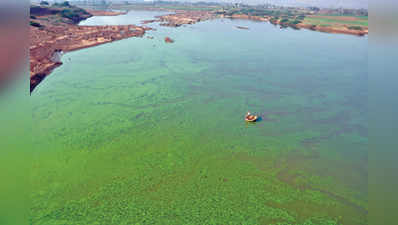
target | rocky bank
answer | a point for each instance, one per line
(51, 32)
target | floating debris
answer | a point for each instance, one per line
(242, 28)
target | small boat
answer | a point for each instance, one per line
(250, 118)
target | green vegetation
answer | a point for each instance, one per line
(295, 22)
(64, 4)
(142, 149)
(284, 20)
(35, 24)
(136, 146)
(289, 15)
(59, 10)
(45, 18)
(262, 12)
(362, 17)
(44, 3)
(355, 28)
(74, 14)
(346, 15)
(337, 20)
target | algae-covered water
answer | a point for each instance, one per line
(143, 132)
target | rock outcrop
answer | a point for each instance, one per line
(185, 17)
(46, 42)
(168, 40)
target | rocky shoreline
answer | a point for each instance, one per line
(183, 17)
(335, 30)
(49, 39)
(55, 30)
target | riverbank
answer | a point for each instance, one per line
(182, 17)
(335, 29)
(344, 21)
(185, 17)
(106, 13)
(56, 30)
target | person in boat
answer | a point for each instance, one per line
(250, 117)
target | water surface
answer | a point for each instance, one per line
(143, 132)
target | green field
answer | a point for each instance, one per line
(362, 21)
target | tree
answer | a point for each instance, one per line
(355, 28)
(295, 22)
(284, 20)
(44, 3)
(64, 4)
(35, 24)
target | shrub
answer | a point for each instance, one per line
(70, 14)
(284, 20)
(64, 4)
(355, 28)
(76, 15)
(34, 24)
(295, 22)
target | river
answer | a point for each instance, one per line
(139, 131)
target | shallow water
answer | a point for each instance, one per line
(133, 17)
(143, 132)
